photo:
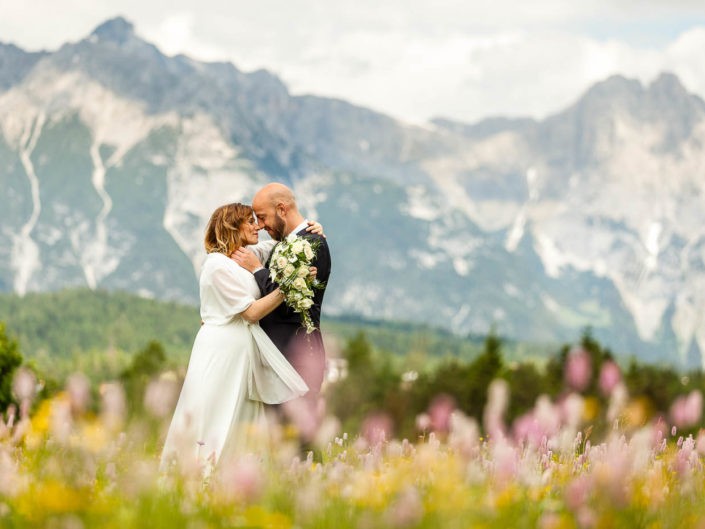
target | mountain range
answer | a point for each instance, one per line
(113, 155)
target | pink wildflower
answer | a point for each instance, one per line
(506, 461)
(61, 421)
(464, 435)
(549, 520)
(78, 388)
(686, 411)
(578, 492)
(440, 412)
(24, 384)
(423, 422)
(114, 407)
(586, 518)
(578, 369)
(377, 428)
(407, 510)
(241, 480)
(302, 414)
(610, 376)
(572, 409)
(527, 429)
(700, 442)
(160, 397)
(497, 402)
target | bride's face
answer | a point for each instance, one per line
(249, 231)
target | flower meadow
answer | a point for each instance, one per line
(82, 458)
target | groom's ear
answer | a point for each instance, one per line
(281, 208)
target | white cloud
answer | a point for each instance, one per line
(513, 73)
(175, 34)
(684, 58)
(413, 59)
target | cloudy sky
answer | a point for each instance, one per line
(413, 59)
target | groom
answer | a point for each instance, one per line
(277, 213)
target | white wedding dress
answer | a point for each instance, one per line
(234, 367)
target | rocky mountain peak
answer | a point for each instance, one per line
(615, 92)
(669, 85)
(117, 30)
(15, 63)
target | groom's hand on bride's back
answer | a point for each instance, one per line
(246, 259)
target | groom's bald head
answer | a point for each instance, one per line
(275, 194)
(276, 210)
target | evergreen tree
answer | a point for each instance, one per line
(10, 360)
(145, 364)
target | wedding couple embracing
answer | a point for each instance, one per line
(252, 348)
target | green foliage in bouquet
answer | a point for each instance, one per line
(290, 268)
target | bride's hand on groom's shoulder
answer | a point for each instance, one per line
(246, 259)
(315, 227)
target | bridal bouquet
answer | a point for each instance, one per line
(289, 268)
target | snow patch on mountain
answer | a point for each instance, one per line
(206, 173)
(311, 191)
(113, 122)
(96, 261)
(25, 260)
(420, 205)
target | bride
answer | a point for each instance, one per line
(234, 367)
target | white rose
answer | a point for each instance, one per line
(289, 270)
(306, 303)
(297, 247)
(281, 262)
(308, 252)
(299, 283)
(302, 271)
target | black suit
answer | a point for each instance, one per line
(283, 326)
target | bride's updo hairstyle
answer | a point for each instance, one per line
(223, 231)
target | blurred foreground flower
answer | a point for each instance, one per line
(24, 384)
(686, 411)
(72, 468)
(78, 388)
(160, 396)
(440, 411)
(578, 369)
(610, 376)
(377, 428)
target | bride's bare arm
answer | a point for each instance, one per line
(263, 306)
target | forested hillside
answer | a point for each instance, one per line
(74, 328)
(61, 324)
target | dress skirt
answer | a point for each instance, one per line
(233, 369)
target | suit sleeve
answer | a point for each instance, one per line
(322, 261)
(265, 283)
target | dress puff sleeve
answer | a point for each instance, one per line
(263, 250)
(229, 292)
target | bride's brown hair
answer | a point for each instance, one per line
(223, 231)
